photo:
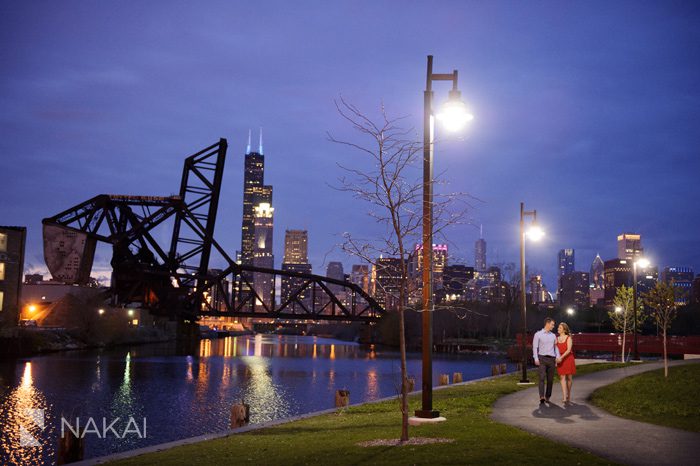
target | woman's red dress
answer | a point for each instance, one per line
(568, 364)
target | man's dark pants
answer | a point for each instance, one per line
(546, 369)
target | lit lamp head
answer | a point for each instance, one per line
(618, 309)
(643, 263)
(535, 233)
(454, 114)
(130, 312)
(570, 311)
(31, 308)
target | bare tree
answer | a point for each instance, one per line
(392, 187)
(661, 301)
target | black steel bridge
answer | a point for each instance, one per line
(175, 280)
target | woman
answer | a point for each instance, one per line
(567, 366)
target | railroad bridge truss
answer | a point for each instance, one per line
(162, 247)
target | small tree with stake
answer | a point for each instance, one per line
(391, 186)
(661, 301)
(622, 314)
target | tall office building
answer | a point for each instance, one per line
(295, 259)
(360, 276)
(617, 272)
(415, 270)
(566, 262)
(575, 290)
(255, 192)
(681, 278)
(480, 255)
(565, 259)
(12, 243)
(455, 279)
(262, 253)
(386, 282)
(296, 247)
(629, 246)
(597, 281)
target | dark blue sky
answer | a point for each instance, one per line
(587, 111)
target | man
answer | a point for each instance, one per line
(546, 356)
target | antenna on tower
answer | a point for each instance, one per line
(260, 149)
(481, 231)
(247, 148)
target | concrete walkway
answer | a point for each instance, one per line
(582, 425)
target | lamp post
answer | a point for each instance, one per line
(644, 263)
(454, 116)
(535, 234)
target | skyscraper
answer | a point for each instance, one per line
(629, 246)
(296, 247)
(415, 270)
(255, 192)
(575, 290)
(597, 281)
(262, 252)
(295, 259)
(566, 262)
(480, 255)
(681, 278)
(360, 276)
(566, 266)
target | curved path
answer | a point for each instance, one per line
(582, 425)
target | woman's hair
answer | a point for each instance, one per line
(566, 328)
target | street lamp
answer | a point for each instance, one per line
(535, 233)
(643, 263)
(570, 311)
(454, 116)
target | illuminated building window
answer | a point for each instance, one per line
(2, 271)
(2, 295)
(3, 242)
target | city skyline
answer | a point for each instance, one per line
(579, 119)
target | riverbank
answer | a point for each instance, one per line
(334, 437)
(25, 342)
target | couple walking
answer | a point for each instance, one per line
(550, 351)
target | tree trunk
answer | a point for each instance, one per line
(624, 337)
(665, 355)
(404, 377)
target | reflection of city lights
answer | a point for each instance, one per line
(332, 352)
(258, 345)
(314, 355)
(372, 384)
(27, 376)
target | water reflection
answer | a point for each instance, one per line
(27, 424)
(188, 391)
(266, 399)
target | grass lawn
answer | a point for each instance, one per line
(650, 397)
(331, 439)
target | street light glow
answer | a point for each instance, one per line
(535, 233)
(643, 263)
(618, 309)
(100, 311)
(131, 312)
(570, 311)
(454, 114)
(32, 308)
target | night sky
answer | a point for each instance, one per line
(588, 112)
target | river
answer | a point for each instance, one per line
(157, 393)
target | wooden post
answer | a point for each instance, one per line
(70, 448)
(504, 368)
(494, 369)
(444, 379)
(240, 415)
(457, 377)
(342, 398)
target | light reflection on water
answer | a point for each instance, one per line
(184, 392)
